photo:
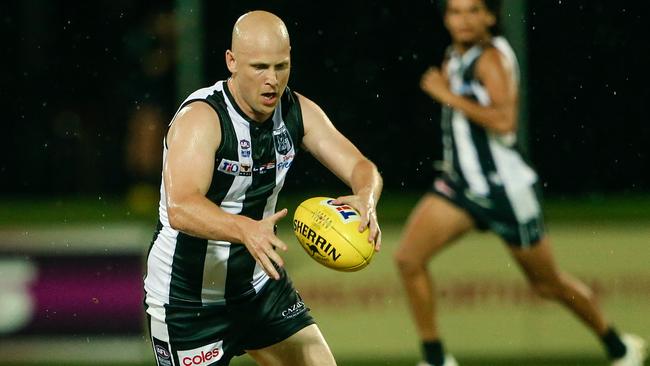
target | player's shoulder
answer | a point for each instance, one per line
(197, 118)
(197, 113)
(491, 59)
(307, 105)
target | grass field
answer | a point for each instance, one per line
(488, 315)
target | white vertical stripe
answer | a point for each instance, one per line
(215, 267)
(467, 155)
(161, 256)
(523, 201)
(516, 176)
(159, 329)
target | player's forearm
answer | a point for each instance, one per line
(198, 216)
(500, 120)
(366, 179)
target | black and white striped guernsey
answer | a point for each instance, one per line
(250, 168)
(480, 161)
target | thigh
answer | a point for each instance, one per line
(278, 313)
(537, 262)
(434, 222)
(307, 347)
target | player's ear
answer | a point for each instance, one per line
(491, 20)
(231, 63)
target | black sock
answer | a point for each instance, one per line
(613, 344)
(433, 353)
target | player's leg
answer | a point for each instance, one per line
(548, 281)
(540, 268)
(433, 224)
(307, 347)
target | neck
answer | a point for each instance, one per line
(250, 113)
(462, 47)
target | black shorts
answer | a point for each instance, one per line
(213, 335)
(513, 214)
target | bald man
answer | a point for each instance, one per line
(215, 284)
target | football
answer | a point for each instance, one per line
(330, 234)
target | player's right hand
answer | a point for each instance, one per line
(261, 242)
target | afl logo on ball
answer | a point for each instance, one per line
(346, 213)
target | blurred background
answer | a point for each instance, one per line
(87, 89)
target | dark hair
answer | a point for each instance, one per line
(493, 6)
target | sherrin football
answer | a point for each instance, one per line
(330, 234)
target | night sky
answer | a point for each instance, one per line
(73, 75)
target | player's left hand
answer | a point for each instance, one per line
(367, 207)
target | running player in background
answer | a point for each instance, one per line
(215, 285)
(485, 184)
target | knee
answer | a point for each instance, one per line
(547, 289)
(552, 289)
(408, 264)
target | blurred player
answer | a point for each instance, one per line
(215, 285)
(485, 183)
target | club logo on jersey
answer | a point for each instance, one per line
(229, 167)
(202, 356)
(346, 213)
(282, 140)
(245, 148)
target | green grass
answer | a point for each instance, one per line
(363, 315)
(567, 361)
(394, 206)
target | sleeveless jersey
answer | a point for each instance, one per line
(481, 161)
(250, 167)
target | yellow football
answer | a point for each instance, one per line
(330, 234)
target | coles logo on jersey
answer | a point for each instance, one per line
(346, 213)
(202, 356)
(282, 140)
(229, 167)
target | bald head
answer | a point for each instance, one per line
(259, 29)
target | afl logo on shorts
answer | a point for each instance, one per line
(162, 353)
(282, 140)
(161, 348)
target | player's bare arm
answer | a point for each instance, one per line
(192, 143)
(501, 115)
(342, 158)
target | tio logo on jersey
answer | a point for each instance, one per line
(229, 167)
